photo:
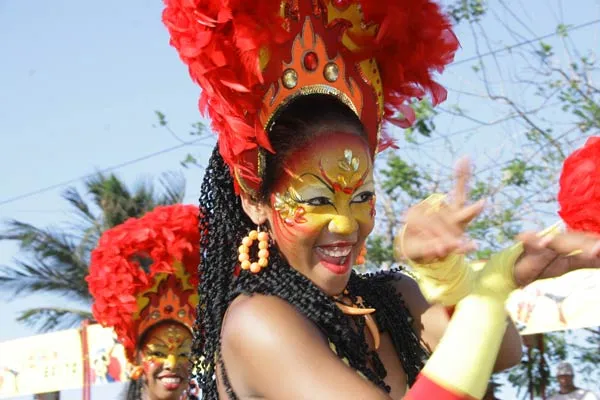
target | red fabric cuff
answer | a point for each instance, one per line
(425, 389)
(450, 310)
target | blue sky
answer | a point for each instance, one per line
(79, 83)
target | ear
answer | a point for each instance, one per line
(255, 210)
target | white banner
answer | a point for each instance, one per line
(54, 361)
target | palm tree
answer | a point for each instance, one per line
(56, 260)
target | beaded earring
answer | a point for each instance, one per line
(361, 259)
(263, 252)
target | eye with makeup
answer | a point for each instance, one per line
(317, 201)
(314, 201)
(155, 353)
(363, 197)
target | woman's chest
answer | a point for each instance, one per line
(396, 377)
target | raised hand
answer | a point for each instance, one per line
(552, 255)
(435, 228)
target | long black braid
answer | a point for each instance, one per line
(134, 390)
(223, 224)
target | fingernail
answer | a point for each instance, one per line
(545, 241)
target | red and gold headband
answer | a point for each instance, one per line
(144, 272)
(251, 58)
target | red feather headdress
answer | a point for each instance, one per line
(579, 194)
(144, 271)
(252, 57)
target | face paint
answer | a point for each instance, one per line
(165, 357)
(323, 208)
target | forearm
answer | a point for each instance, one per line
(463, 361)
(511, 349)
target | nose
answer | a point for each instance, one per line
(170, 362)
(343, 224)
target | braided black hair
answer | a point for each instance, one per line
(134, 390)
(223, 224)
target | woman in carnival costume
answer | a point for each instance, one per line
(144, 283)
(298, 91)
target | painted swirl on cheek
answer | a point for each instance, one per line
(291, 223)
(372, 204)
(151, 364)
(288, 207)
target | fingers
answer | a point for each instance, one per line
(562, 265)
(432, 236)
(573, 243)
(425, 250)
(434, 229)
(462, 174)
(467, 214)
(551, 256)
(533, 240)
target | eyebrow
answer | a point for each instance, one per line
(157, 339)
(319, 179)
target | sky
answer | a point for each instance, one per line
(79, 84)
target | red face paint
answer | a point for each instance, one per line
(323, 208)
(165, 358)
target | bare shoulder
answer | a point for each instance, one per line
(272, 351)
(253, 323)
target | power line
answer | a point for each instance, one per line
(170, 149)
(523, 43)
(104, 170)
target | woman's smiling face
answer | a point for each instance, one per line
(165, 358)
(322, 208)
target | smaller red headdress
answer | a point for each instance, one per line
(579, 195)
(144, 272)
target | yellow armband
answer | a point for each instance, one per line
(446, 281)
(464, 359)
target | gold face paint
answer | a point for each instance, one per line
(324, 197)
(168, 345)
(327, 188)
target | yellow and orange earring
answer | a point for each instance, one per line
(263, 252)
(361, 259)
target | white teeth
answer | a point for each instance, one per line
(336, 251)
(170, 380)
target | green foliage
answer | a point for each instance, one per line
(198, 132)
(545, 51)
(547, 108)
(534, 371)
(563, 30)
(467, 10)
(162, 120)
(424, 123)
(399, 174)
(54, 260)
(517, 172)
(379, 250)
